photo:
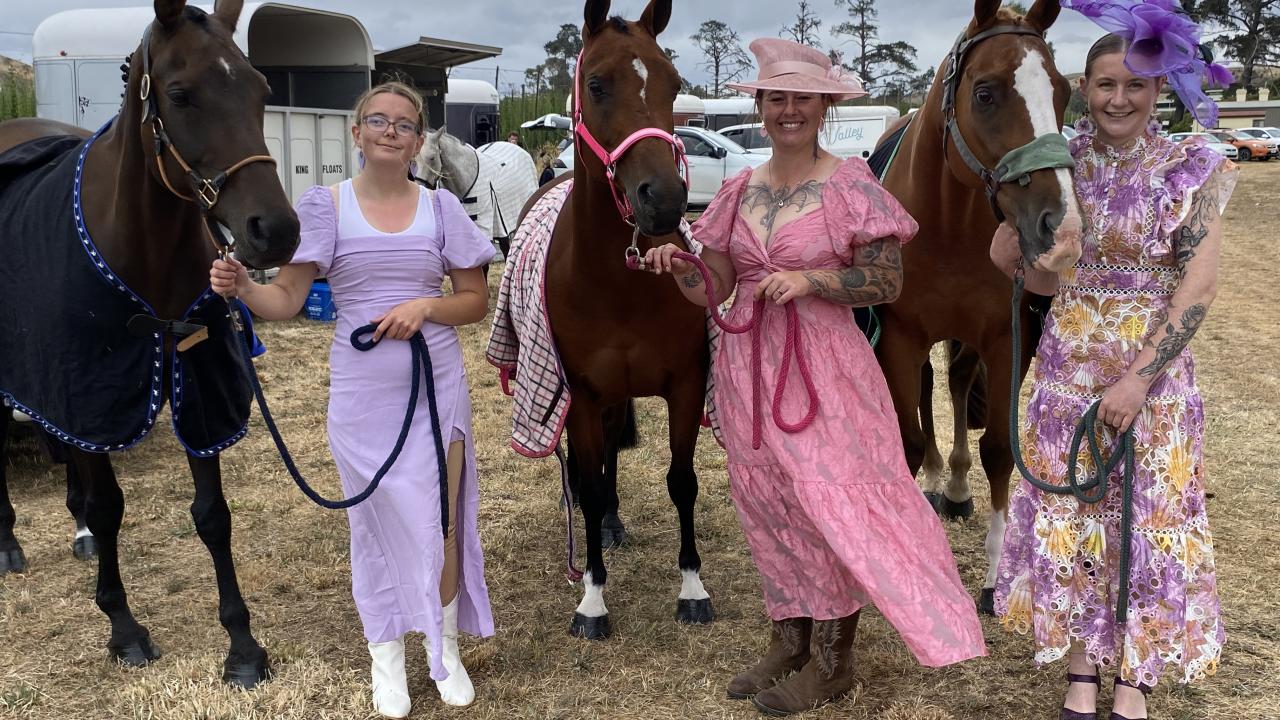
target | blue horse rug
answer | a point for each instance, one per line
(67, 356)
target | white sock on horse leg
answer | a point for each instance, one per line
(592, 604)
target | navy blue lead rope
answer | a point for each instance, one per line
(1094, 489)
(421, 368)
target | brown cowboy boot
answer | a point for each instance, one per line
(827, 676)
(788, 651)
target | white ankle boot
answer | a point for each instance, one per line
(390, 686)
(456, 689)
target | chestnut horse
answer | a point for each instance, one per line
(189, 74)
(984, 146)
(623, 334)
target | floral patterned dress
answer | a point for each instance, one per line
(1059, 573)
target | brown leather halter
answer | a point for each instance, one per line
(205, 190)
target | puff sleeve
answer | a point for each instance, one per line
(318, 221)
(859, 210)
(463, 245)
(1187, 173)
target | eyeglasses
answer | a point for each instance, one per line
(379, 124)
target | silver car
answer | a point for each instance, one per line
(1226, 150)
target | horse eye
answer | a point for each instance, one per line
(983, 96)
(179, 97)
(595, 87)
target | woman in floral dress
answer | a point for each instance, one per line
(1118, 333)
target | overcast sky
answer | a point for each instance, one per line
(521, 27)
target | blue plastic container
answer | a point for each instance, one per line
(320, 303)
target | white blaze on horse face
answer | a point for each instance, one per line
(643, 72)
(592, 604)
(1031, 81)
(993, 544)
(226, 67)
(691, 586)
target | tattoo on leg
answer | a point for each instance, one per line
(1175, 340)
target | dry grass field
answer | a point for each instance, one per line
(293, 566)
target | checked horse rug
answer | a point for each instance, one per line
(522, 346)
(67, 356)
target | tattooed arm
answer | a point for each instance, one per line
(1196, 243)
(875, 276)
(723, 277)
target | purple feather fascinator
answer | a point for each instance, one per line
(1162, 41)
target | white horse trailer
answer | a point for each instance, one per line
(471, 111)
(314, 83)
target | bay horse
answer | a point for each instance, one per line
(192, 103)
(984, 146)
(622, 334)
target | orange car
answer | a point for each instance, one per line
(1248, 147)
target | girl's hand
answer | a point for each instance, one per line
(1122, 402)
(229, 278)
(661, 259)
(403, 320)
(783, 287)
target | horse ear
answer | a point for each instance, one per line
(1042, 14)
(984, 11)
(169, 12)
(228, 13)
(597, 11)
(655, 16)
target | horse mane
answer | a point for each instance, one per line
(620, 24)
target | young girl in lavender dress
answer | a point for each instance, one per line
(1117, 333)
(385, 244)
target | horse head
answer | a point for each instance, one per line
(624, 85)
(446, 161)
(190, 85)
(1008, 100)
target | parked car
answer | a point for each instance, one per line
(852, 132)
(1249, 148)
(713, 158)
(1272, 140)
(1226, 150)
(1272, 132)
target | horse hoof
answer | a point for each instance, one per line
(612, 533)
(935, 500)
(590, 628)
(247, 674)
(987, 602)
(85, 548)
(695, 612)
(952, 510)
(137, 653)
(12, 561)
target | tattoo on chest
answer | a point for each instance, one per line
(773, 201)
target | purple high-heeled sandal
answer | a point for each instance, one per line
(1068, 714)
(1144, 689)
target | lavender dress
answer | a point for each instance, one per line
(396, 540)
(1059, 573)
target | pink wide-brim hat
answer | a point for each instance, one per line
(792, 67)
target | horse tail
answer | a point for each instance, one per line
(976, 396)
(629, 434)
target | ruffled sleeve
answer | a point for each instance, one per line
(859, 210)
(715, 227)
(464, 244)
(318, 221)
(1187, 172)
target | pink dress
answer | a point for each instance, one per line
(833, 516)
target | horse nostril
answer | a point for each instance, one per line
(1049, 222)
(645, 191)
(255, 227)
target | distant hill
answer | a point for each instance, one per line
(21, 69)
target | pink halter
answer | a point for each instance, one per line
(610, 159)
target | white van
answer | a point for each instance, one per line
(852, 131)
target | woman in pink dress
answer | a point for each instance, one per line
(832, 514)
(385, 244)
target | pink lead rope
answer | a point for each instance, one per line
(793, 346)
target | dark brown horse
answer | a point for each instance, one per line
(211, 103)
(997, 92)
(620, 333)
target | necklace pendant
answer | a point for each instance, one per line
(782, 202)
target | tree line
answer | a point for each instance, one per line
(17, 96)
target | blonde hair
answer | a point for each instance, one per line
(394, 87)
